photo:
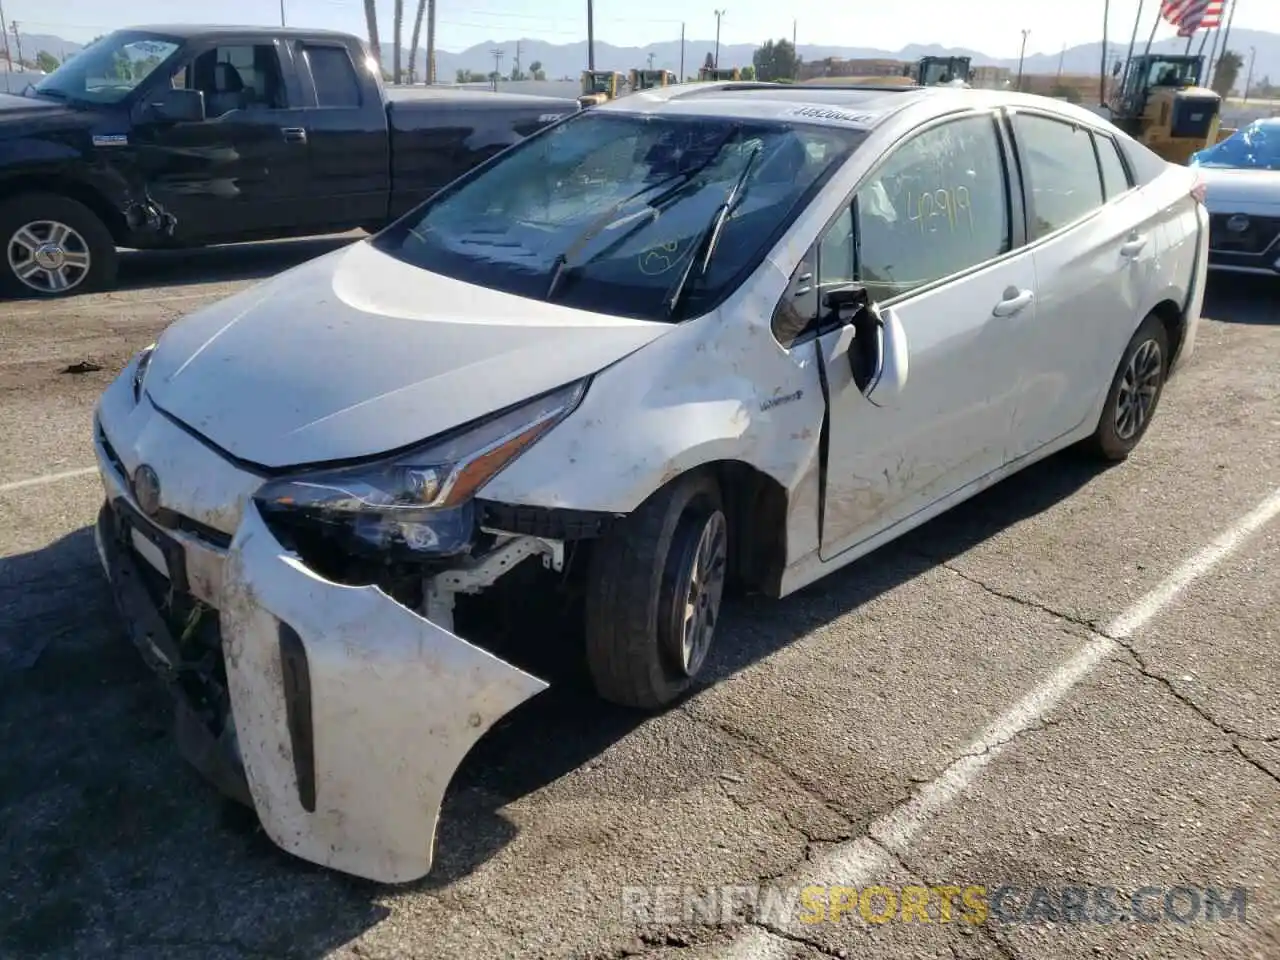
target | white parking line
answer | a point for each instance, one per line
(856, 862)
(47, 478)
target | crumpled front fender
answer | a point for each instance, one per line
(352, 713)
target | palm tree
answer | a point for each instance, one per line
(371, 21)
(397, 30)
(1227, 72)
(413, 42)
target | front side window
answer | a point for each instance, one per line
(107, 71)
(1062, 170)
(243, 77)
(938, 206)
(606, 212)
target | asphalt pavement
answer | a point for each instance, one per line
(1061, 694)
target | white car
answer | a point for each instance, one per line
(701, 334)
(1242, 191)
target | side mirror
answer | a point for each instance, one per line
(847, 301)
(889, 369)
(176, 106)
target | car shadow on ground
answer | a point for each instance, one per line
(140, 269)
(117, 847)
(1243, 298)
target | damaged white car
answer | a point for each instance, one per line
(706, 334)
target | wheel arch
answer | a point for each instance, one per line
(1174, 320)
(72, 189)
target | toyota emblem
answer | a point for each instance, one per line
(146, 488)
(1238, 224)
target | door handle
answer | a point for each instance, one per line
(294, 134)
(1133, 246)
(1014, 301)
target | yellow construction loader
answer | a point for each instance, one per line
(599, 86)
(927, 72)
(1161, 103)
(648, 79)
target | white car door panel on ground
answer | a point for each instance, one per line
(938, 207)
(1096, 242)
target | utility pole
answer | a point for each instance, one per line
(516, 70)
(1248, 80)
(650, 59)
(1062, 56)
(282, 13)
(715, 62)
(497, 65)
(795, 52)
(1106, 32)
(4, 32)
(1022, 55)
(431, 41)
(591, 39)
(682, 53)
(17, 38)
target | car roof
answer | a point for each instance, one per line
(188, 31)
(844, 105)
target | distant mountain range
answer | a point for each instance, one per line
(569, 59)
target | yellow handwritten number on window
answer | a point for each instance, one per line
(947, 205)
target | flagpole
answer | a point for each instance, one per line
(1133, 39)
(1213, 50)
(1102, 76)
(1226, 37)
(1154, 27)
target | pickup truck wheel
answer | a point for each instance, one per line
(653, 595)
(1135, 392)
(53, 246)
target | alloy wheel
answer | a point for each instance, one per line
(48, 256)
(1139, 388)
(704, 586)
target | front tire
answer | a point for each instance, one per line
(654, 591)
(1135, 393)
(53, 247)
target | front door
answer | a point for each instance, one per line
(932, 237)
(244, 168)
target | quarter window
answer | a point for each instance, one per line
(1115, 179)
(334, 77)
(937, 207)
(1062, 171)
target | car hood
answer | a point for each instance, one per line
(14, 107)
(1230, 187)
(356, 354)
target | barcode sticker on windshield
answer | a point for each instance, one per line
(829, 113)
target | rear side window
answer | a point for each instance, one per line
(1115, 179)
(1062, 170)
(334, 77)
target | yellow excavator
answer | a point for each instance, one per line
(719, 73)
(599, 86)
(1161, 103)
(648, 79)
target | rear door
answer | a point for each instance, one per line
(934, 234)
(237, 172)
(346, 129)
(1096, 241)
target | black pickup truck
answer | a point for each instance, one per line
(192, 135)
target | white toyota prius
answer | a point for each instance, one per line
(702, 335)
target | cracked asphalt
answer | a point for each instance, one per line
(830, 714)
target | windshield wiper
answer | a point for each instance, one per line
(675, 183)
(706, 245)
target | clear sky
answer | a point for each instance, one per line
(991, 26)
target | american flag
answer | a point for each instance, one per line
(1192, 15)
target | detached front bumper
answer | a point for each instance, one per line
(351, 712)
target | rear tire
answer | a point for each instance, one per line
(53, 246)
(1135, 393)
(654, 589)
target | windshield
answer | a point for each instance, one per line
(1256, 147)
(616, 204)
(1172, 73)
(109, 69)
(943, 71)
(601, 82)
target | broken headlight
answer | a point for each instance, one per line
(141, 363)
(418, 502)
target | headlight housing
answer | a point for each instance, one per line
(417, 503)
(142, 363)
